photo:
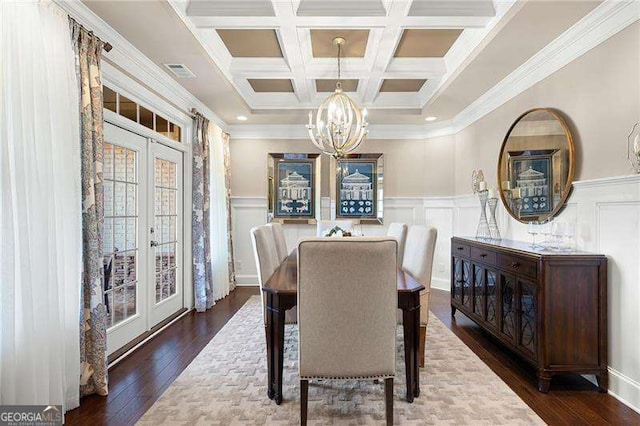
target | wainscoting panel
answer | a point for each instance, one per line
(619, 237)
(246, 212)
(607, 217)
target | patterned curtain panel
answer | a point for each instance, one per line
(93, 315)
(227, 184)
(202, 279)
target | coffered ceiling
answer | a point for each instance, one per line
(273, 60)
(392, 47)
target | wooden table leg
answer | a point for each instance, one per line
(278, 348)
(417, 347)
(269, 338)
(410, 324)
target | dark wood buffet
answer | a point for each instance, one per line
(549, 308)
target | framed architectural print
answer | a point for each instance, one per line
(293, 187)
(358, 188)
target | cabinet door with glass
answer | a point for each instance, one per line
(527, 306)
(508, 313)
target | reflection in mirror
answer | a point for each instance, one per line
(536, 165)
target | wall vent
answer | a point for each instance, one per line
(180, 70)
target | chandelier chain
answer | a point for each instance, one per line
(339, 51)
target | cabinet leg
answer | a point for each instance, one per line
(544, 381)
(453, 311)
(603, 381)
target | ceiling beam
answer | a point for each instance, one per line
(230, 22)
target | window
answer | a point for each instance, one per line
(120, 104)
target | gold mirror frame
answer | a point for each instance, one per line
(566, 191)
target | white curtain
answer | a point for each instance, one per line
(40, 208)
(218, 211)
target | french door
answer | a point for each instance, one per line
(142, 234)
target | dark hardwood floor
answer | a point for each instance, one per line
(139, 380)
(572, 400)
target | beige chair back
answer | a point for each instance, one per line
(324, 226)
(265, 254)
(280, 241)
(399, 232)
(347, 302)
(418, 261)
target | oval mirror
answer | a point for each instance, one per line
(536, 165)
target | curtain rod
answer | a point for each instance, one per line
(106, 45)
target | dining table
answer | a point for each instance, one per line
(281, 295)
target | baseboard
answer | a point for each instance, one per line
(441, 284)
(246, 280)
(624, 389)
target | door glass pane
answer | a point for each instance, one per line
(120, 247)
(165, 232)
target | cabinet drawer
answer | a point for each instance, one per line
(483, 255)
(458, 249)
(518, 265)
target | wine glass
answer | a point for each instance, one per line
(569, 236)
(533, 229)
(557, 233)
(545, 231)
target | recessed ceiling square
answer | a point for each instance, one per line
(262, 85)
(329, 85)
(402, 85)
(243, 43)
(322, 43)
(426, 43)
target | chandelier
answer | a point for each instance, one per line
(340, 126)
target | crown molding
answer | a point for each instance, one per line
(376, 131)
(606, 20)
(128, 58)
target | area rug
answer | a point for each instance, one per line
(226, 384)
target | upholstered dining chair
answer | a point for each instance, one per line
(266, 257)
(267, 260)
(324, 226)
(347, 301)
(281, 242)
(418, 261)
(399, 232)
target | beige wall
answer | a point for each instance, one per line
(599, 94)
(412, 168)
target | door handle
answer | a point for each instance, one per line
(153, 243)
(514, 264)
(483, 255)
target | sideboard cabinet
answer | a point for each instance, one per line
(550, 308)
